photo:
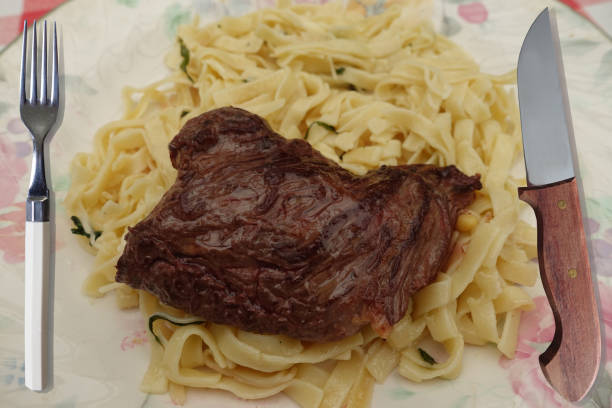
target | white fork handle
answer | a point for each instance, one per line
(37, 259)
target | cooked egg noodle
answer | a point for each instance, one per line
(389, 91)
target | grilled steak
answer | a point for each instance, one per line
(267, 235)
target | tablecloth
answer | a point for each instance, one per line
(13, 12)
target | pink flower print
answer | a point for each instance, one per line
(535, 332)
(593, 225)
(605, 302)
(602, 253)
(12, 167)
(12, 234)
(537, 325)
(528, 381)
(16, 126)
(601, 244)
(608, 235)
(136, 338)
(23, 149)
(473, 12)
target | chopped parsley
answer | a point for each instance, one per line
(425, 356)
(79, 230)
(184, 113)
(340, 71)
(322, 124)
(185, 55)
(177, 321)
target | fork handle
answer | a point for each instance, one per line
(37, 290)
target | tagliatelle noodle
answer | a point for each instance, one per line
(390, 91)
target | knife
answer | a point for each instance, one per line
(572, 361)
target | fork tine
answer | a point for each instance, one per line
(22, 76)
(43, 70)
(33, 66)
(54, 78)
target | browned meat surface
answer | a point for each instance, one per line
(267, 235)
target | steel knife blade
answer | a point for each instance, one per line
(572, 362)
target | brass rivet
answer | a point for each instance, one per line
(562, 204)
(572, 272)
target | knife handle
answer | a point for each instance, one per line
(571, 362)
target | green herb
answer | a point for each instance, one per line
(79, 230)
(78, 227)
(177, 321)
(185, 55)
(425, 356)
(184, 113)
(245, 80)
(322, 124)
(340, 71)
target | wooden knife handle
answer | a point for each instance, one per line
(571, 362)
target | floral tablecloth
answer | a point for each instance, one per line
(100, 354)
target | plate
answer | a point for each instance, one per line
(101, 352)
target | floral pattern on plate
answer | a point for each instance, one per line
(108, 45)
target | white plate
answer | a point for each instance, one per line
(101, 353)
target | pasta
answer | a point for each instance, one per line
(365, 92)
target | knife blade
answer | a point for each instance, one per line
(572, 361)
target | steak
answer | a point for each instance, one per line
(267, 235)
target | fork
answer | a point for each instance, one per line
(39, 113)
